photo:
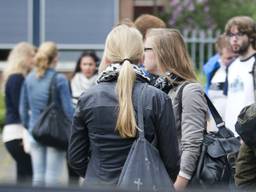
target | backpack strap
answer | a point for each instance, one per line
(140, 111)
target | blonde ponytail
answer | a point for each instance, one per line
(124, 44)
(126, 122)
(41, 64)
(44, 57)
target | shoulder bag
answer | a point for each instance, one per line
(144, 169)
(215, 167)
(53, 126)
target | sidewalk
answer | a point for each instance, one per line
(7, 165)
(8, 169)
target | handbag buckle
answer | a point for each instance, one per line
(221, 124)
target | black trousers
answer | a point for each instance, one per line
(22, 159)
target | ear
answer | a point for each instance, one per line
(141, 60)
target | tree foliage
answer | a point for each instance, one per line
(207, 14)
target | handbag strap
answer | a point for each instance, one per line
(215, 114)
(140, 112)
(220, 124)
(52, 90)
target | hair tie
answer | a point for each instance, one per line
(126, 59)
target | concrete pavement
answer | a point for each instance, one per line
(7, 165)
(8, 168)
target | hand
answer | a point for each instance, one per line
(180, 183)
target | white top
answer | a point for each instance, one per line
(216, 95)
(220, 74)
(80, 83)
(12, 131)
(240, 90)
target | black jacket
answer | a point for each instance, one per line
(98, 153)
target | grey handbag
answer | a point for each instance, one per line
(144, 169)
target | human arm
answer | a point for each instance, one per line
(24, 106)
(65, 96)
(193, 125)
(78, 150)
(14, 86)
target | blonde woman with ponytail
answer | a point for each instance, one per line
(47, 162)
(104, 124)
(19, 63)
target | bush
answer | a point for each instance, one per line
(201, 77)
(2, 111)
(207, 14)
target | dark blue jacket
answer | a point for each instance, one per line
(12, 97)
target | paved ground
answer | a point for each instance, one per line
(8, 169)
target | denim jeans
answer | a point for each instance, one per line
(47, 163)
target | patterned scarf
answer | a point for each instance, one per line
(111, 73)
(167, 82)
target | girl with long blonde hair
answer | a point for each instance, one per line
(105, 124)
(19, 63)
(166, 55)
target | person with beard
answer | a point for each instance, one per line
(242, 36)
(241, 32)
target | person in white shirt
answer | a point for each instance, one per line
(242, 36)
(85, 74)
(241, 32)
(216, 89)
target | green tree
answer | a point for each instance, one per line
(207, 14)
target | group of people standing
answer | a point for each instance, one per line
(104, 120)
(26, 83)
(231, 80)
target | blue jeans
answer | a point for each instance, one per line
(47, 163)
